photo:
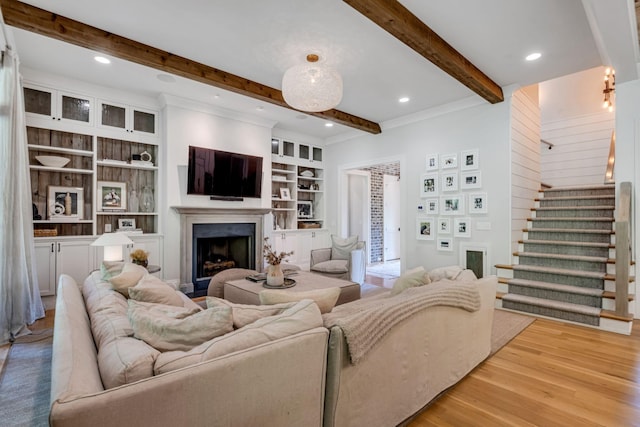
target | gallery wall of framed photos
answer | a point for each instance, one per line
(450, 195)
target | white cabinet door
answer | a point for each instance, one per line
(46, 267)
(75, 258)
(285, 242)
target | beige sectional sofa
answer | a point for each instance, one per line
(258, 375)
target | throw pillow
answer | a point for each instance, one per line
(245, 314)
(466, 275)
(336, 266)
(130, 275)
(325, 298)
(410, 279)
(167, 328)
(109, 269)
(341, 248)
(450, 272)
(151, 289)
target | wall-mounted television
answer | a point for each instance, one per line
(223, 175)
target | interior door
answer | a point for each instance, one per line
(391, 217)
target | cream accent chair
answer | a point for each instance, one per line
(349, 264)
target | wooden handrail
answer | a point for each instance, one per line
(623, 248)
(611, 160)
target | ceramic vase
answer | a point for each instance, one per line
(275, 275)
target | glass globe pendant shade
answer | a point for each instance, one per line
(312, 87)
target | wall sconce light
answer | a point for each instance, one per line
(112, 243)
(609, 88)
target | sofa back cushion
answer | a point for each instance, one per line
(244, 314)
(303, 316)
(341, 248)
(153, 290)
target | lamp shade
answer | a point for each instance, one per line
(312, 87)
(112, 243)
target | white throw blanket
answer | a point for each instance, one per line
(365, 322)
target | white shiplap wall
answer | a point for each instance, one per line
(525, 159)
(580, 151)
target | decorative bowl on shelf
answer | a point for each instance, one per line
(53, 161)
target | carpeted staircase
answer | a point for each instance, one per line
(565, 264)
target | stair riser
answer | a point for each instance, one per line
(570, 225)
(543, 248)
(599, 267)
(610, 285)
(579, 193)
(532, 234)
(574, 213)
(550, 202)
(555, 295)
(563, 279)
(551, 312)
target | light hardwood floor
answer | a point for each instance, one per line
(552, 374)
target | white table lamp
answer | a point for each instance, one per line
(112, 243)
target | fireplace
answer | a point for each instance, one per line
(214, 239)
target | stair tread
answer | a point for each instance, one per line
(571, 218)
(559, 305)
(538, 199)
(575, 208)
(542, 269)
(571, 230)
(615, 316)
(612, 295)
(580, 187)
(557, 287)
(564, 257)
(568, 243)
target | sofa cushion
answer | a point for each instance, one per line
(466, 275)
(303, 316)
(110, 269)
(244, 314)
(410, 279)
(341, 248)
(325, 298)
(125, 360)
(168, 328)
(130, 275)
(337, 266)
(216, 284)
(449, 272)
(151, 289)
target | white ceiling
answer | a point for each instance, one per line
(259, 40)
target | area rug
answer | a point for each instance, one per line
(26, 381)
(506, 326)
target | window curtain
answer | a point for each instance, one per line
(20, 303)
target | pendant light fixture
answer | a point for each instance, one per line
(312, 86)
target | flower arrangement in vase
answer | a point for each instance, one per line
(140, 257)
(275, 275)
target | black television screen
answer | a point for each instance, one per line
(223, 174)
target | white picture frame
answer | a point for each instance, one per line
(126, 224)
(432, 163)
(462, 227)
(425, 228)
(285, 194)
(112, 196)
(428, 185)
(452, 205)
(470, 160)
(445, 244)
(56, 203)
(478, 203)
(432, 206)
(449, 161)
(444, 226)
(470, 180)
(449, 181)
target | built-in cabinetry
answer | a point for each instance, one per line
(108, 183)
(297, 200)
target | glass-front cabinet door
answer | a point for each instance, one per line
(128, 118)
(113, 115)
(282, 148)
(41, 102)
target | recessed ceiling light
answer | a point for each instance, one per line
(329, 125)
(259, 108)
(216, 96)
(533, 56)
(166, 78)
(403, 99)
(102, 59)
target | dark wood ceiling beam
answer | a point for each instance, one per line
(406, 27)
(40, 21)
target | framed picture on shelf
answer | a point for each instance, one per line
(425, 229)
(305, 209)
(450, 181)
(126, 224)
(285, 194)
(429, 185)
(470, 180)
(431, 206)
(444, 226)
(65, 202)
(112, 196)
(432, 162)
(462, 227)
(445, 244)
(469, 160)
(452, 205)
(478, 203)
(449, 161)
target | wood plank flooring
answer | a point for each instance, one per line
(552, 374)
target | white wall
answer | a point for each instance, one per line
(485, 127)
(525, 159)
(188, 123)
